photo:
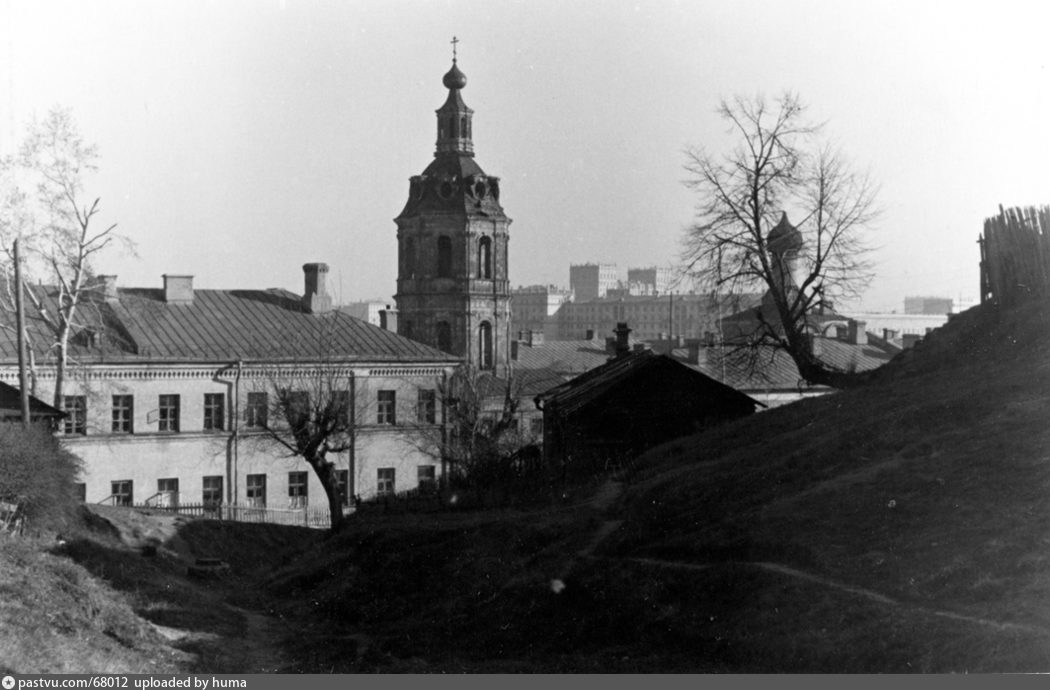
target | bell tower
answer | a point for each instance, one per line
(452, 287)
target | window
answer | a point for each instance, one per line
(485, 345)
(296, 408)
(168, 413)
(410, 258)
(122, 492)
(170, 490)
(341, 409)
(426, 406)
(426, 478)
(255, 414)
(256, 494)
(444, 256)
(297, 489)
(75, 407)
(444, 336)
(214, 406)
(386, 412)
(342, 479)
(385, 481)
(536, 427)
(485, 258)
(123, 413)
(211, 492)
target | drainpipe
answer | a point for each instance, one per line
(232, 489)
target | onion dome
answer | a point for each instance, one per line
(454, 78)
(784, 238)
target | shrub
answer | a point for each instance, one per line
(38, 474)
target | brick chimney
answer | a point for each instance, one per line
(316, 299)
(108, 287)
(816, 347)
(858, 335)
(388, 319)
(623, 344)
(178, 289)
(696, 353)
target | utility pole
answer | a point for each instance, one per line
(23, 382)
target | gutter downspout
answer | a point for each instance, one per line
(232, 490)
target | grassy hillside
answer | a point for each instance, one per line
(928, 487)
(897, 527)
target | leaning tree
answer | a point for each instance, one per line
(742, 240)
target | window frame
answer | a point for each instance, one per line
(386, 481)
(386, 409)
(114, 491)
(207, 491)
(123, 414)
(169, 413)
(255, 483)
(342, 480)
(257, 416)
(298, 489)
(426, 478)
(214, 412)
(75, 421)
(426, 406)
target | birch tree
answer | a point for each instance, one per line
(45, 205)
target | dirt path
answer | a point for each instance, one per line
(844, 587)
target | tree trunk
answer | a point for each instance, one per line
(325, 471)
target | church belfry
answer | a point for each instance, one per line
(452, 287)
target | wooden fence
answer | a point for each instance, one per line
(1015, 255)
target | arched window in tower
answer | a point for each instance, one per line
(485, 258)
(485, 345)
(444, 336)
(444, 257)
(410, 258)
(463, 132)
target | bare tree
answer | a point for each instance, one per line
(481, 443)
(57, 226)
(311, 414)
(742, 239)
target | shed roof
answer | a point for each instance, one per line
(585, 388)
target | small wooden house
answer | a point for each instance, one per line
(633, 402)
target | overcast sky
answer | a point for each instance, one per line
(241, 139)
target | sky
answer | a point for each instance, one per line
(240, 139)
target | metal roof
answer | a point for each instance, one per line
(218, 325)
(580, 391)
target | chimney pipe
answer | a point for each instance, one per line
(108, 286)
(623, 346)
(178, 289)
(858, 335)
(315, 294)
(388, 319)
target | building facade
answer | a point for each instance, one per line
(591, 281)
(534, 308)
(173, 394)
(453, 292)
